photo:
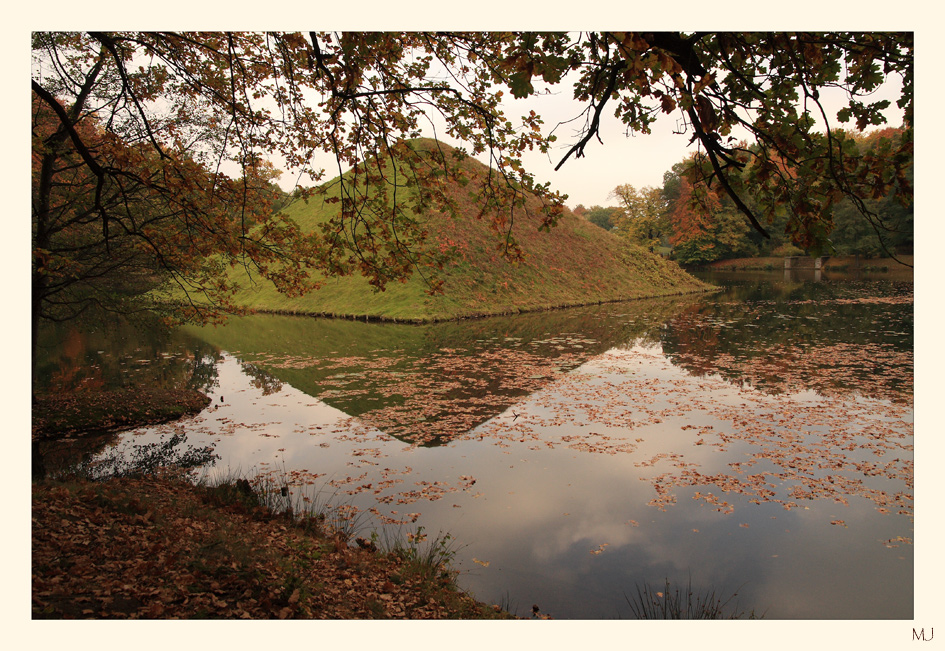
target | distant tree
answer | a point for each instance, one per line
(691, 226)
(644, 216)
(705, 227)
(604, 216)
(889, 229)
(892, 228)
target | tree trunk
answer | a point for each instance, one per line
(41, 242)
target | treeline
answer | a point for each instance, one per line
(694, 225)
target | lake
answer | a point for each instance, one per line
(758, 440)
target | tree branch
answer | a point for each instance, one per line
(595, 121)
(69, 127)
(710, 146)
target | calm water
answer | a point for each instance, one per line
(757, 440)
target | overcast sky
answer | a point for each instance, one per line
(616, 159)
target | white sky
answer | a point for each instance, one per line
(638, 159)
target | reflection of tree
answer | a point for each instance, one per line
(54, 457)
(262, 380)
(68, 372)
(103, 353)
(829, 338)
(204, 376)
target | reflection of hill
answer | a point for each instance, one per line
(831, 338)
(431, 383)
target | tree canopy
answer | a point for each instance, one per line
(161, 145)
(702, 226)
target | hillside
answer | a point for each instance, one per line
(576, 263)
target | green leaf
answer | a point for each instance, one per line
(520, 84)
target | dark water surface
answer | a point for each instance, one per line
(757, 440)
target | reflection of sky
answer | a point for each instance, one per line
(779, 553)
(542, 505)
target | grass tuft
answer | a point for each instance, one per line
(429, 559)
(673, 603)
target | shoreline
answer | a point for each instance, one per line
(160, 547)
(380, 318)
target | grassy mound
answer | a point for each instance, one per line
(576, 263)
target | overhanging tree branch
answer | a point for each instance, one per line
(67, 124)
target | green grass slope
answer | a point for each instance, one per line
(576, 263)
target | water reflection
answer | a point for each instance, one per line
(836, 338)
(758, 440)
(428, 384)
(102, 353)
(106, 352)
